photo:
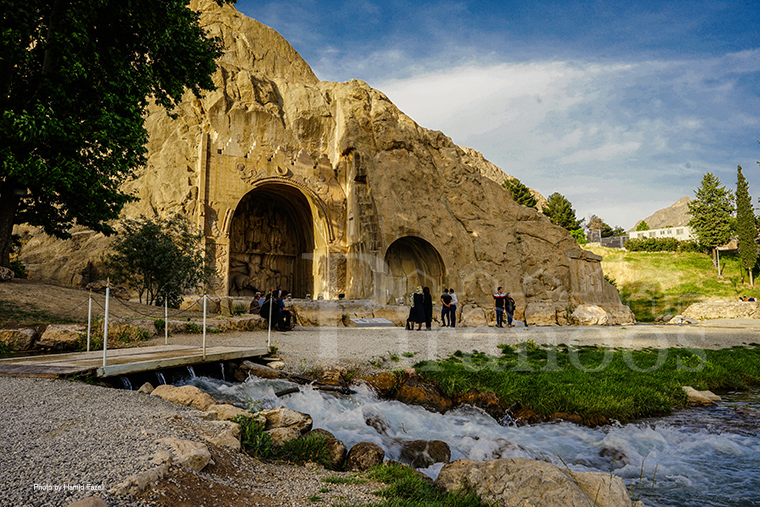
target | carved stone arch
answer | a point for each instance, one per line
(278, 237)
(312, 196)
(411, 261)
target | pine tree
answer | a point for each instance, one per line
(642, 226)
(560, 212)
(710, 212)
(520, 193)
(746, 226)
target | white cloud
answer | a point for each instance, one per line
(614, 138)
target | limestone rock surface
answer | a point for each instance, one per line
(382, 196)
(18, 339)
(185, 395)
(522, 482)
(61, 336)
(723, 310)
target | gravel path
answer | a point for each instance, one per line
(304, 347)
(64, 435)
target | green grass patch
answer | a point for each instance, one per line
(658, 283)
(594, 382)
(407, 488)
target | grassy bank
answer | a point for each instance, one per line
(596, 383)
(655, 283)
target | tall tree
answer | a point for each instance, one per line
(710, 212)
(746, 226)
(642, 226)
(520, 193)
(560, 212)
(75, 81)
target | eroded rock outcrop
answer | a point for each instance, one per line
(367, 203)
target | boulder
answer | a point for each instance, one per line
(523, 482)
(61, 336)
(191, 455)
(423, 453)
(471, 316)
(18, 339)
(281, 435)
(226, 412)
(540, 314)
(184, 395)
(195, 304)
(590, 315)
(336, 449)
(488, 402)
(6, 274)
(227, 435)
(383, 383)
(364, 456)
(127, 329)
(699, 398)
(281, 417)
(146, 388)
(416, 391)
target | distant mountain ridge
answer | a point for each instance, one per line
(675, 215)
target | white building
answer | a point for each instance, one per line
(682, 233)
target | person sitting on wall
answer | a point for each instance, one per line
(256, 303)
(270, 310)
(286, 315)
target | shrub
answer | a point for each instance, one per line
(254, 439)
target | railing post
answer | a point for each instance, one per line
(269, 332)
(105, 326)
(204, 327)
(166, 321)
(89, 320)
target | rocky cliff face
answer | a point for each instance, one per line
(368, 203)
(674, 215)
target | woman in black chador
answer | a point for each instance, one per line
(427, 304)
(417, 311)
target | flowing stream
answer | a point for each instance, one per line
(698, 457)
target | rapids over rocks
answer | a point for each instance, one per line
(698, 457)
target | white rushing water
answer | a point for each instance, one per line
(700, 457)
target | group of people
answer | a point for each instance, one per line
(503, 303)
(421, 311)
(279, 317)
(745, 298)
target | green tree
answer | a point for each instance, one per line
(158, 258)
(75, 81)
(710, 212)
(642, 226)
(560, 212)
(520, 193)
(746, 225)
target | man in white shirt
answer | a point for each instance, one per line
(453, 308)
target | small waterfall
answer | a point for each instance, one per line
(191, 371)
(160, 378)
(126, 383)
(221, 365)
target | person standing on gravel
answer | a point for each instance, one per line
(445, 305)
(499, 300)
(510, 309)
(427, 304)
(453, 309)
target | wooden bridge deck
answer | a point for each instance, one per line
(120, 361)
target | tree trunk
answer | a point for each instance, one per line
(751, 280)
(9, 200)
(717, 256)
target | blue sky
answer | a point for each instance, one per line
(620, 106)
